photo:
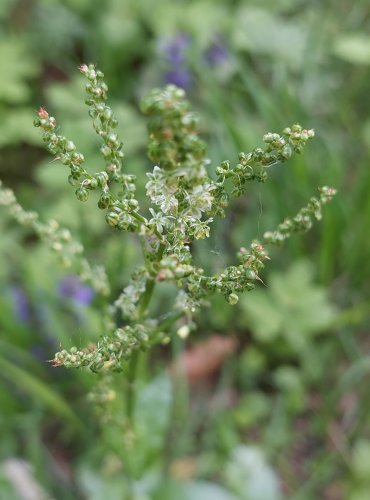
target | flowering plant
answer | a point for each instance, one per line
(185, 200)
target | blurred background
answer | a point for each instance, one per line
(276, 403)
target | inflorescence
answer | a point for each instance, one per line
(185, 200)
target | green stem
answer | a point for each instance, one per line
(130, 393)
(145, 298)
(132, 370)
(175, 441)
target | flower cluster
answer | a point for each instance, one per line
(253, 166)
(185, 199)
(59, 240)
(122, 206)
(302, 222)
(108, 353)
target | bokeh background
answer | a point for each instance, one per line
(280, 407)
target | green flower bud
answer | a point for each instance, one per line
(133, 203)
(112, 219)
(286, 152)
(91, 74)
(106, 151)
(232, 299)
(101, 178)
(107, 114)
(268, 138)
(105, 201)
(112, 138)
(296, 128)
(82, 194)
(65, 159)
(70, 146)
(76, 171)
(250, 274)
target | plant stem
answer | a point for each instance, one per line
(132, 370)
(175, 437)
(130, 393)
(145, 298)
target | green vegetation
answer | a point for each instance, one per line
(271, 401)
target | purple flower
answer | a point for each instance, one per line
(180, 77)
(21, 304)
(216, 54)
(174, 51)
(175, 48)
(71, 287)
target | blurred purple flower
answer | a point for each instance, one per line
(71, 287)
(21, 304)
(217, 53)
(180, 77)
(174, 49)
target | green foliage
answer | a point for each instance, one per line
(152, 415)
(18, 67)
(184, 192)
(182, 189)
(354, 48)
(249, 476)
(359, 485)
(305, 405)
(290, 311)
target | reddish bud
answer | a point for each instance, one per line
(42, 113)
(83, 69)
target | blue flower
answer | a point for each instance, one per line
(216, 54)
(175, 48)
(180, 77)
(174, 51)
(71, 287)
(21, 304)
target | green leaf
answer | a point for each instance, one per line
(361, 460)
(259, 31)
(152, 413)
(16, 126)
(353, 48)
(97, 486)
(38, 390)
(265, 320)
(201, 490)
(120, 26)
(250, 476)
(292, 308)
(17, 67)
